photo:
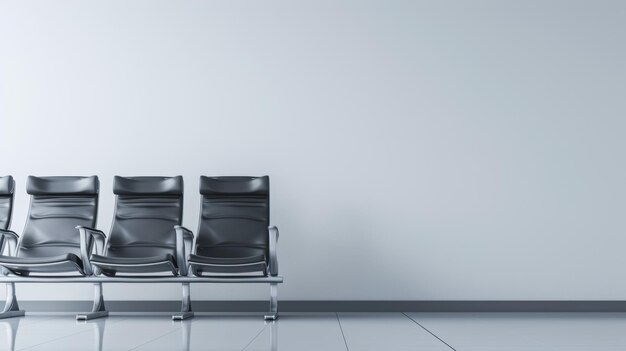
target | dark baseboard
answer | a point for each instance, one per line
(334, 306)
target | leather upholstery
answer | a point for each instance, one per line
(112, 265)
(62, 185)
(7, 188)
(50, 264)
(50, 241)
(148, 186)
(142, 237)
(233, 232)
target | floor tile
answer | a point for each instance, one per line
(527, 331)
(30, 331)
(210, 333)
(386, 331)
(302, 332)
(113, 333)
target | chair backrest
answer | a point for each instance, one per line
(235, 212)
(7, 189)
(57, 206)
(146, 211)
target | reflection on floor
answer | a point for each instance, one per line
(322, 331)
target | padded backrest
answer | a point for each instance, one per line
(235, 212)
(147, 209)
(7, 189)
(57, 206)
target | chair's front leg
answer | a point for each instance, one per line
(11, 308)
(273, 303)
(98, 310)
(185, 310)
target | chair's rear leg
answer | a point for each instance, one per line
(11, 309)
(185, 310)
(98, 310)
(273, 303)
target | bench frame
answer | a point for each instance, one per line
(11, 308)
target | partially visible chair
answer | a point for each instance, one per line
(7, 189)
(50, 244)
(234, 234)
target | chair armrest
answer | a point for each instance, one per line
(273, 259)
(184, 243)
(89, 236)
(10, 237)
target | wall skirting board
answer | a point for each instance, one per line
(334, 306)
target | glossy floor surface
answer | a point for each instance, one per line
(322, 331)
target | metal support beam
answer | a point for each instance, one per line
(11, 309)
(138, 279)
(273, 303)
(185, 309)
(98, 310)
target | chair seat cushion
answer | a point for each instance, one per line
(229, 260)
(153, 264)
(54, 264)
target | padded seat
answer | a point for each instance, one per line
(25, 265)
(112, 265)
(229, 260)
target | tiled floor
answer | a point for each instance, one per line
(323, 331)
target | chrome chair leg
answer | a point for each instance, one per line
(185, 310)
(11, 308)
(98, 310)
(273, 303)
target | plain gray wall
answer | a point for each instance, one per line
(417, 149)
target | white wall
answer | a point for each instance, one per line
(417, 149)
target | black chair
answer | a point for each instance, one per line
(142, 240)
(234, 234)
(50, 244)
(7, 189)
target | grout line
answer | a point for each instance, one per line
(255, 337)
(157, 338)
(342, 334)
(431, 333)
